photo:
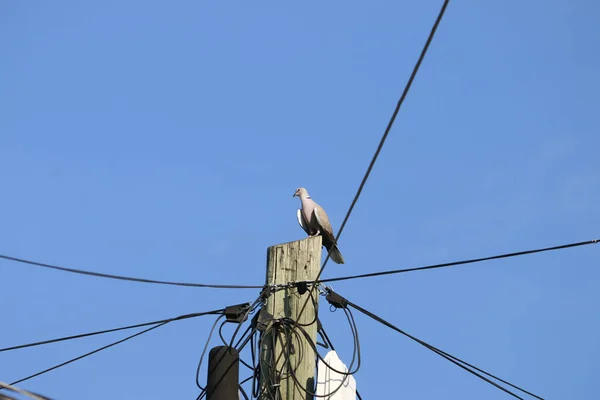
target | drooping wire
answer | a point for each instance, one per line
(204, 352)
(455, 360)
(355, 357)
(243, 337)
(239, 348)
(182, 317)
(243, 392)
(295, 332)
(127, 278)
(242, 342)
(330, 344)
(455, 263)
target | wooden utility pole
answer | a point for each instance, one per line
(284, 346)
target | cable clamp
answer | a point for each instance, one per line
(335, 299)
(237, 313)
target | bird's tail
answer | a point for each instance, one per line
(335, 255)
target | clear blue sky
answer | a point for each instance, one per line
(165, 139)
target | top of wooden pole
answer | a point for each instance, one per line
(300, 259)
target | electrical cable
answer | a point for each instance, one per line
(330, 344)
(253, 377)
(293, 332)
(127, 278)
(455, 263)
(254, 351)
(204, 352)
(203, 391)
(455, 360)
(82, 335)
(221, 333)
(14, 389)
(244, 335)
(291, 369)
(385, 134)
(242, 341)
(187, 316)
(241, 390)
(239, 347)
(390, 124)
(355, 352)
(250, 310)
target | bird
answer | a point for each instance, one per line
(313, 219)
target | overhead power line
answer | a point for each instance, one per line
(385, 135)
(14, 389)
(455, 263)
(158, 325)
(455, 360)
(127, 278)
(390, 123)
(82, 335)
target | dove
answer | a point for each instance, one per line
(313, 219)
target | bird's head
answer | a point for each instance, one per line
(300, 192)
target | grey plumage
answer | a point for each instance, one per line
(314, 220)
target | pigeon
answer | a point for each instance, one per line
(313, 219)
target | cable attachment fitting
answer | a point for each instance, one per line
(302, 287)
(261, 320)
(237, 313)
(335, 299)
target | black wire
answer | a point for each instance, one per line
(246, 380)
(292, 372)
(291, 328)
(330, 344)
(239, 349)
(126, 278)
(355, 352)
(243, 337)
(268, 381)
(455, 360)
(385, 134)
(115, 343)
(238, 346)
(390, 124)
(84, 335)
(256, 375)
(454, 263)
(242, 341)
(241, 389)
(221, 332)
(204, 352)
(23, 392)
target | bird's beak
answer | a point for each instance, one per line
(295, 194)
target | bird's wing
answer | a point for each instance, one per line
(302, 221)
(324, 224)
(328, 236)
